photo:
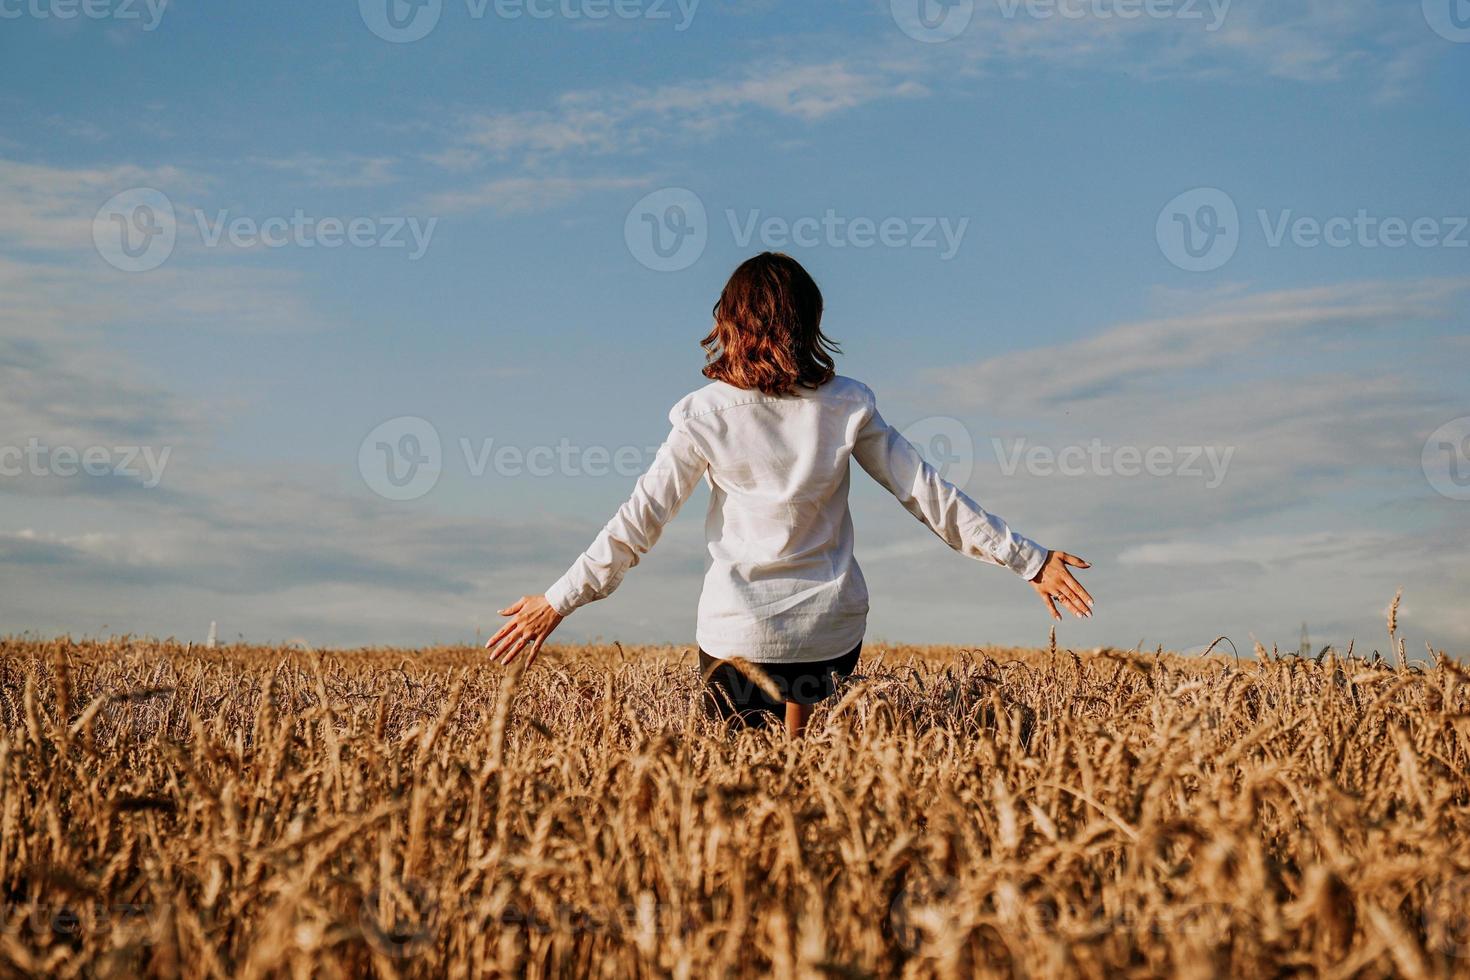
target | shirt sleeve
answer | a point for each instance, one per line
(635, 528)
(959, 522)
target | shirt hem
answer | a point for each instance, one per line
(804, 653)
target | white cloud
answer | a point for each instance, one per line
(517, 195)
(346, 171)
(50, 207)
(1384, 45)
(1142, 352)
(1285, 549)
(632, 119)
(55, 283)
(1316, 42)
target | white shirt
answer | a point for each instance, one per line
(782, 584)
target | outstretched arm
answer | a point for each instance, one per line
(634, 529)
(959, 521)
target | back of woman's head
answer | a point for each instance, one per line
(768, 329)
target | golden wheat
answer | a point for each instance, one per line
(270, 812)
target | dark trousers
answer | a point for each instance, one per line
(732, 696)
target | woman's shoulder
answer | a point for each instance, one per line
(847, 388)
(719, 395)
(713, 397)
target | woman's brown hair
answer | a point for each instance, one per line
(768, 329)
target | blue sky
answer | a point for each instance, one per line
(1031, 297)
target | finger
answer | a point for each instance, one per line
(1050, 604)
(535, 650)
(507, 641)
(500, 634)
(518, 640)
(1074, 560)
(515, 648)
(1077, 588)
(1075, 604)
(1067, 596)
(514, 607)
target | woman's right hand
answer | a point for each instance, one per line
(531, 621)
(1055, 583)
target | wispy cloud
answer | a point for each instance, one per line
(1312, 43)
(1286, 549)
(51, 207)
(517, 195)
(1382, 44)
(1129, 354)
(346, 171)
(633, 119)
(56, 284)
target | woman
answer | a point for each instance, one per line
(772, 434)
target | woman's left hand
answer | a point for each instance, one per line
(531, 621)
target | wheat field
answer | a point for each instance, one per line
(248, 811)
